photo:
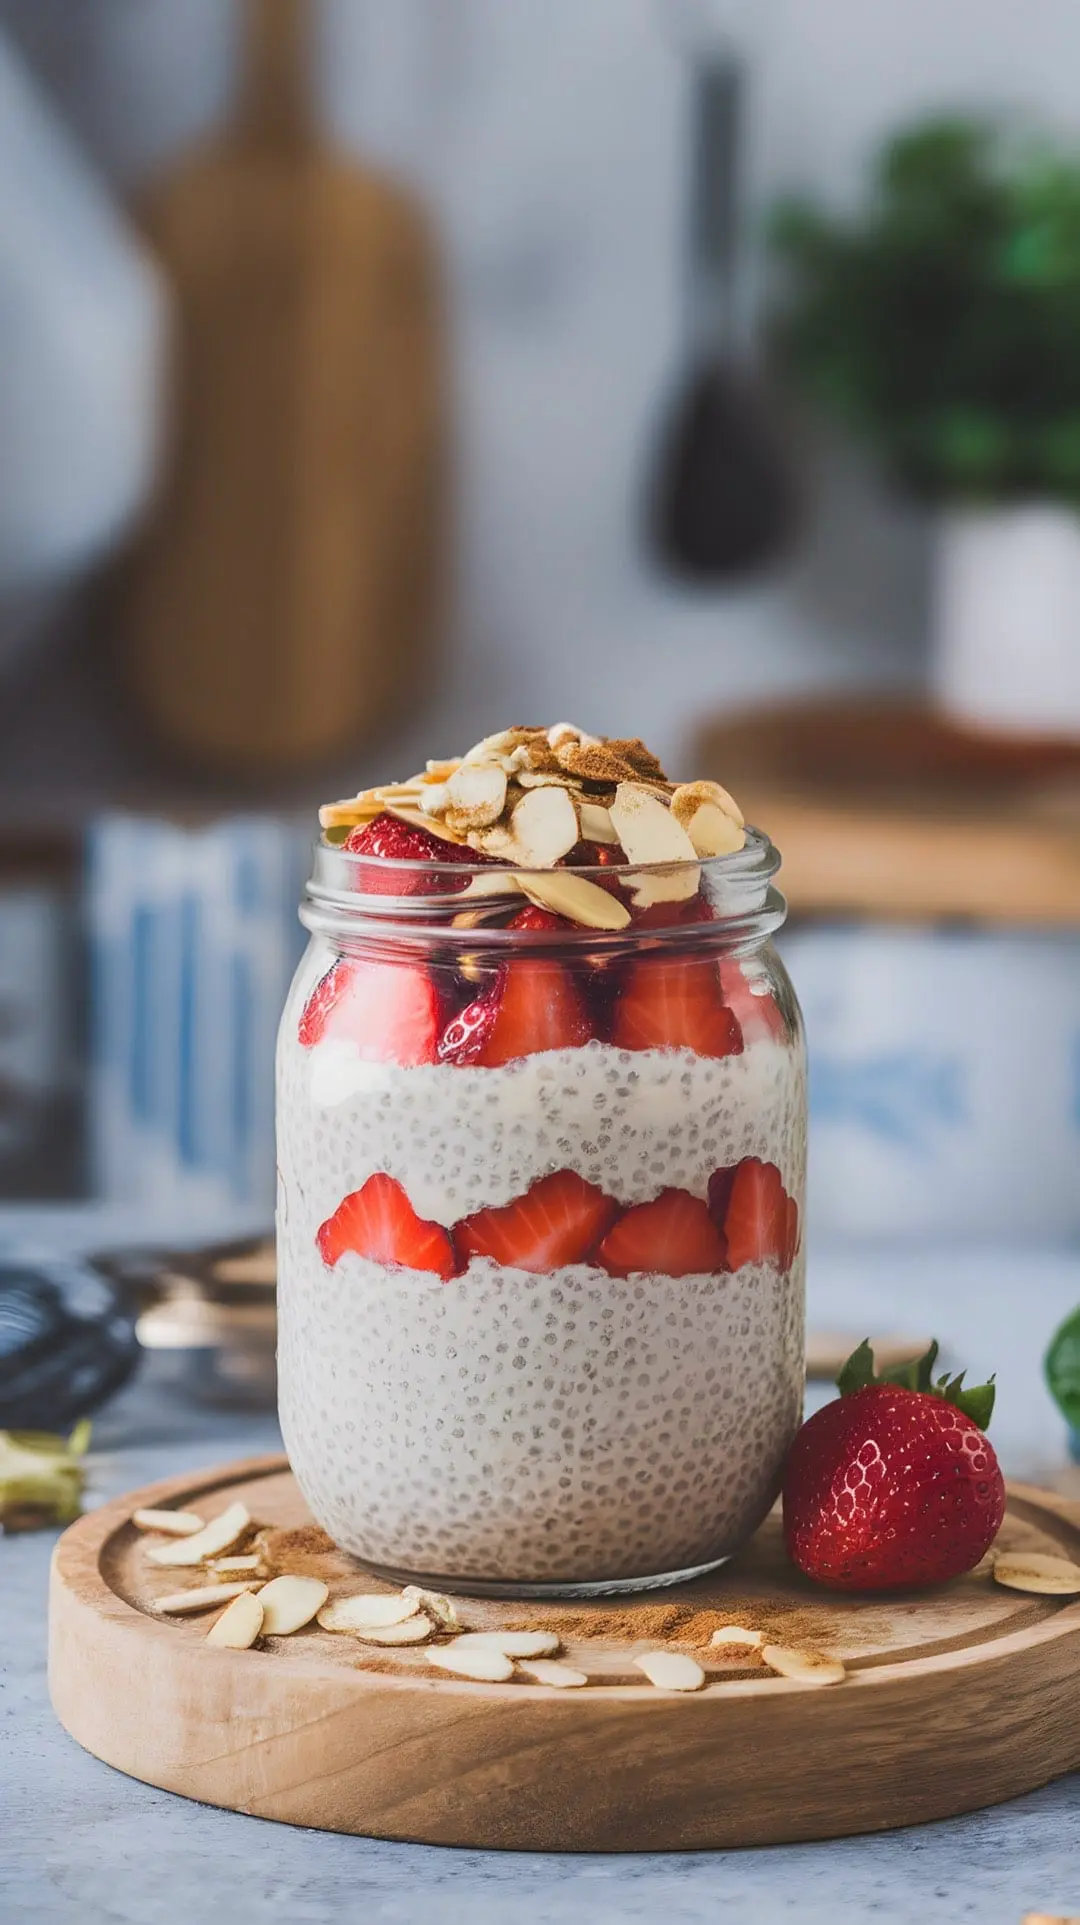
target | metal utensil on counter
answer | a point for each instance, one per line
(208, 1317)
(67, 1342)
(723, 501)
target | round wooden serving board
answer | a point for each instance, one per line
(955, 1698)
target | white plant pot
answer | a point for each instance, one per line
(1006, 619)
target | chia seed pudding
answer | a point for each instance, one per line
(539, 1228)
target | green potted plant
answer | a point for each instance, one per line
(941, 325)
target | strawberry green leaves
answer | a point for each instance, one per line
(976, 1401)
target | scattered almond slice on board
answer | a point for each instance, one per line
(579, 900)
(289, 1603)
(804, 1667)
(364, 1611)
(562, 1677)
(249, 1566)
(734, 1634)
(239, 1625)
(489, 1667)
(442, 1609)
(512, 1644)
(1038, 1572)
(169, 1523)
(204, 1597)
(413, 1630)
(670, 1670)
(219, 1535)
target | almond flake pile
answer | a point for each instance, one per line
(260, 1603)
(527, 797)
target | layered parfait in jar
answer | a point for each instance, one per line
(541, 1126)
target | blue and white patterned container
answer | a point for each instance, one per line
(194, 938)
(944, 1082)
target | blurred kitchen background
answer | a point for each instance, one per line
(375, 372)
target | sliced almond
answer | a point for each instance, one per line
(646, 827)
(581, 901)
(365, 1611)
(434, 798)
(169, 1523)
(562, 1677)
(596, 823)
(435, 771)
(805, 1667)
(291, 1602)
(204, 1597)
(239, 1625)
(476, 795)
(527, 778)
(414, 1630)
(490, 1667)
(442, 1609)
(713, 833)
(738, 1634)
(1038, 1572)
(496, 882)
(219, 1535)
(501, 743)
(689, 797)
(237, 1566)
(544, 825)
(562, 732)
(512, 1644)
(496, 842)
(432, 823)
(671, 1670)
(350, 812)
(650, 834)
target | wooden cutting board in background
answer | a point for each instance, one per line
(284, 592)
(887, 811)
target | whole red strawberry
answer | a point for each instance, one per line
(894, 1483)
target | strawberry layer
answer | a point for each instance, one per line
(464, 1139)
(507, 1427)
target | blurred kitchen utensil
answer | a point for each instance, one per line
(284, 593)
(208, 1317)
(723, 502)
(67, 1342)
(82, 321)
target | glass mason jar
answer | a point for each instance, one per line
(541, 1303)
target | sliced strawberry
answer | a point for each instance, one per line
(759, 1016)
(379, 1222)
(466, 1036)
(791, 1232)
(674, 1236)
(321, 1005)
(532, 1005)
(667, 915)
(756, 1219)
(721, 1183)
(675, 1002)
(397, 841)
(540, 920)
(389, 1010)
(558, 1221)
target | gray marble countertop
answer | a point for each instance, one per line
(79, 1843)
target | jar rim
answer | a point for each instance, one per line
(738, 887)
